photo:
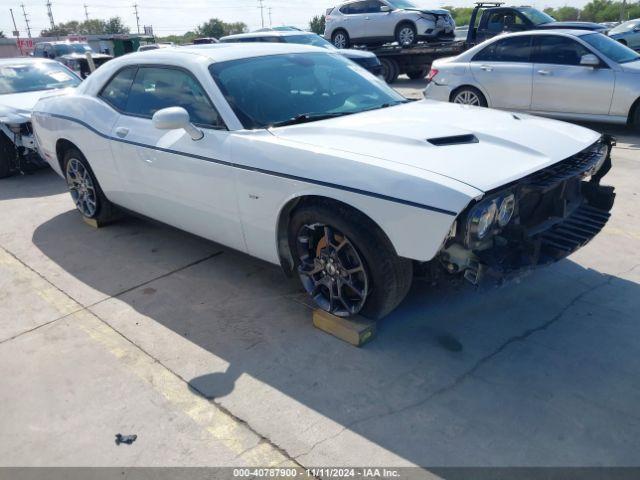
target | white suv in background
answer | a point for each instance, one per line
(368, 22)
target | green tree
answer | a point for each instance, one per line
(462, 16)
(217, 28)
(564, 14)
(317, 24)
(114, 25)
(92, 27)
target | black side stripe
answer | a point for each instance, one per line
(258, 170)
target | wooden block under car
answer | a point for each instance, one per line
(92, 222)
(356, 332)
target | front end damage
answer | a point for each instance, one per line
(534, 221)
(18, 149)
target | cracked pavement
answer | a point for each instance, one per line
(211, 358)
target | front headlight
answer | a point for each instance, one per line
(481, 219)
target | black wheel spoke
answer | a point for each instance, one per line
(331, 269)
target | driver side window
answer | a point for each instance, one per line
(155, 88)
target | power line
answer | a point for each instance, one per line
(26, 20)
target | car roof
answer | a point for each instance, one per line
(23, 60)
(268, 33)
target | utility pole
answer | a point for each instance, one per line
(270, 22)
(623, 7)
(135, 9)
(26, 19)
(261, 7)
(16, 33)
(50, 13)
(86, 13)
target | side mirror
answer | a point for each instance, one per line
(590, 60)
(176, 118)
(385, 9)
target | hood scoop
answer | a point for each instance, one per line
(453, 140)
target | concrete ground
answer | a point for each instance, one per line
(210, 356)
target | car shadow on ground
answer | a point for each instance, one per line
(539, 372)
(31, 185)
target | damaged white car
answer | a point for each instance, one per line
(299, 157)
(22, 82)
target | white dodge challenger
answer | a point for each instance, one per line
(298, 156)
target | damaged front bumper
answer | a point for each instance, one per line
(560, 209)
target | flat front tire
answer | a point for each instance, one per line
(346, 263)
(84, 188)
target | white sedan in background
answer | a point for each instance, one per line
(567, 74)
(297, 156)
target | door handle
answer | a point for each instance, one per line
(486, 68)
(122, 132)
(544, 72)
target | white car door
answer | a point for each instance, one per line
(561, 84)
(166, 174)
(503, 69)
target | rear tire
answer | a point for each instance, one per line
(390, 69)
(86, 193)
(7, 151)
(635, 117)
(340, 39)
(468, 95)
(353, 241)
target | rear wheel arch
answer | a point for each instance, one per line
(622, 41)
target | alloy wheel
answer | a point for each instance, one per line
(467, 97)
(81, 187)
(406, 36)
(340, 40)
(331, 270)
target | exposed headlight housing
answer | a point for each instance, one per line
(506, 210)
(489, 214)
(481, 219)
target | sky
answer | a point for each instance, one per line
(179, 16)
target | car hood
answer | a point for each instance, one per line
(81, 56)
(21, 104)
(509, 147)
(355, 54)
(576, 25)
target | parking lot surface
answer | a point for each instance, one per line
(210, 356)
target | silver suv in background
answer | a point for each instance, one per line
(365, 59)
(627, 33)
(370, 22)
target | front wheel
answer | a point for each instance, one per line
(84, 188)
(417, 74)
(346, 263)
(469, 96)
(406, 34)
(635, 118)
(340, 39)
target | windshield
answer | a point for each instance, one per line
(315, 40)
(66, 49)
(536, 16)
(625, 27)
(610, 48)
(266, 91)
(20, 78)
